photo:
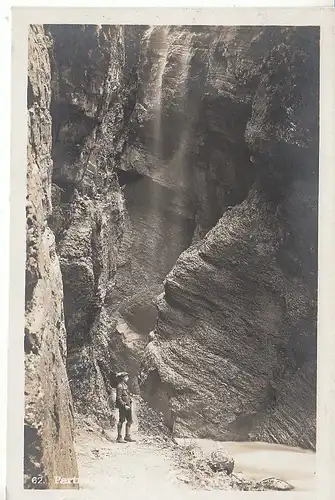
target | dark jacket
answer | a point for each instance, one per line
(122, 395)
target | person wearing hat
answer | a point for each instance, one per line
(124, 405)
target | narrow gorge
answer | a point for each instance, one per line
(172, 187)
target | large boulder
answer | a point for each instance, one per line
(220, 461)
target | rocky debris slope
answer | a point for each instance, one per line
(214, 471)
(235, 350)
(48, 425)
(151, 424)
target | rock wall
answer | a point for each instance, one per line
(92, 95)
(235, 354)
(48, 425)
(156, 179)
(79, 103)
(149, 145)
(185, 160)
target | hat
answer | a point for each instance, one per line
(122, 375)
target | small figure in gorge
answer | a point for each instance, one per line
(124, 405)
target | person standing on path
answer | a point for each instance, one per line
(124, 405)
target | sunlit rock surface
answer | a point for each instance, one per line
(48, 424)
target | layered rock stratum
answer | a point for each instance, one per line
(236, 330)
(172, 170)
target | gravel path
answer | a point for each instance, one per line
(132, 467)
(137, 469)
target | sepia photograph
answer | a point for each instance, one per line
(171, 267)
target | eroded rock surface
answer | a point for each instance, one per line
(91, 91)
(48, 426)
(236, 326)
(151, 145)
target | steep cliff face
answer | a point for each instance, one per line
(79, 100)
(185, 160)
(91, 94)
(151, 145)
(236, 323)
(157, 183)
(48, 426)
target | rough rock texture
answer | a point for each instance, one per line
(235, 354)
(196, 469)
(198, 142)
(158, 227)
(92, 92)
(275, 484)
(79, 102)
(184, 161)
(48, 425)
(155, 173)
(220, 461)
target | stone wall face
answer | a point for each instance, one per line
(236, 328)
(171, 171)
(89, 97)
(48, 425)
